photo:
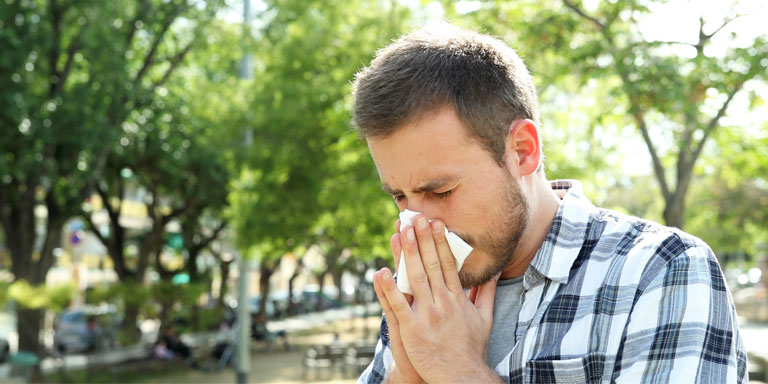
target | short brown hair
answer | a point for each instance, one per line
(445, 66)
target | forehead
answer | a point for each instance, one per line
(436, 146)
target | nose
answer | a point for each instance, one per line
(423, 207)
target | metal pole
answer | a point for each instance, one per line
(245, 68)
(244, 321)
(243, 316)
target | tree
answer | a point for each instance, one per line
(675, 93)
(308, 53)
(734, 188)
(74, 72)
(357, 217)
(54, 55)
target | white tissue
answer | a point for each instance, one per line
(458, 246)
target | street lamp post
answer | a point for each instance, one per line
(243, 318)
(244, 322)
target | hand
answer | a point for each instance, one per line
(402, 371)
(444, 333)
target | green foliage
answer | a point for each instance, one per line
(4, 296)
(734, 189)
(305, 172)
(123, 294)
(52, 297)
(674, 93)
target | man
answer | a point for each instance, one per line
(559, 291)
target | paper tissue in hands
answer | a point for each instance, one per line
(459, 248)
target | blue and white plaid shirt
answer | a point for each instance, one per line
(612, 298)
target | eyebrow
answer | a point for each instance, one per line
(429, 186)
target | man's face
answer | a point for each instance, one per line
(433, 167)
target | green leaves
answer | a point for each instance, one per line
(306, 173)
(53, 297)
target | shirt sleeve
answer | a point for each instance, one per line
(683, 327)
(377, 370)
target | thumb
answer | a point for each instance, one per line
(486, 295)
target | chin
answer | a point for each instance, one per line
(477, 269)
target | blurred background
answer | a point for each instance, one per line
(154, 154)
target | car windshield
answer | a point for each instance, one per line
(72, 317)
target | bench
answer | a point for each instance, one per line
(320, 358)
(323, 357)
(360, 355)
(758, 365)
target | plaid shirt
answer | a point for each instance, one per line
(611, 298)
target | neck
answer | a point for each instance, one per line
(544, 205)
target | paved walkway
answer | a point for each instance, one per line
(278, 366)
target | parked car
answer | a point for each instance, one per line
(311, 294)
(87, 328)
(5, 350)
(255, 304)
(7, 330)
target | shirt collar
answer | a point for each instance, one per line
(561, 247)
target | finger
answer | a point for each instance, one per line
(397, 226)
(472, 294)
(395, 340)
(396, 249)
(377, 287)
(415, 270)
(447, 261)
(394, 298)
(486, 294)
(396, 253)
(428, 252)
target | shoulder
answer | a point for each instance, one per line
(645, 250)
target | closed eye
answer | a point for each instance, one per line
(443, 195)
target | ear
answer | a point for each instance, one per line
(523, 148)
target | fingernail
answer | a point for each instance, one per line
(410, 235)
(386, 275)
(422, 223)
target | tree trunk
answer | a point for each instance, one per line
(30, 322)
(223, 283)
(266, 272)
(362, 288)
(673, 213)
(296, 273)
(191, 264)
(336, 273)
(18, 224)
(130, 330)
(320, 284)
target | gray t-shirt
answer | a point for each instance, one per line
(505, 310)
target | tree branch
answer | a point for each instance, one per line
(175, 61)
(58, 86)
(114, 216)
(95, 231)
(148, 60)
(178, 211)
(658, 168)
(725, 23)
(715, 121)
(140, 12)
(704, 37)
(583, 14)
(55, 50)
(206, 242)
